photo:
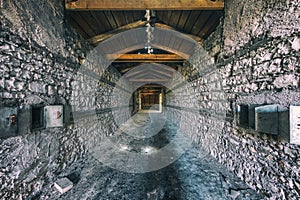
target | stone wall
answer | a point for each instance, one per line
(40, 65)
(256, 49)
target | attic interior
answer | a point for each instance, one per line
(189, 99)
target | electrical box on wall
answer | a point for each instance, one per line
(295, 124)
(251, 115)
(8, 122)
(266, 119)
(37, 117)
(246, 115)
(242, 115)
(54, 116)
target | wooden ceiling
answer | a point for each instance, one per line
(93, 18)
(99, 20)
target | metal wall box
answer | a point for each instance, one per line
(8, 122)
(266, 119)
(242, 115)
(54, 116)
(251, 115)
(295, 125)
(37, 117)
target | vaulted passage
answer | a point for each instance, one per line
(149, 99)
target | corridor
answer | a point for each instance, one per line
(149, 99)
(194, 176)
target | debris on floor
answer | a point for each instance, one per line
(63, 185)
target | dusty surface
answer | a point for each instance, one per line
(195, 175)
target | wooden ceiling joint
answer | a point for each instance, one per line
(145, 57)
(144, 4)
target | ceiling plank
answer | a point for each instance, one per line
(175, 18)
(193, 17)
(214, 21)
(77, 26)
(145, 57)
(119, 18)
(88, 17)
(99, 38)
(194, 37)
(145, 4)
(110, 18)
(102, 20)
(183, 19)
(85, 26)
(150, 93)
(165, 48)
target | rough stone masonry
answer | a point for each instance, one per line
(40, 55)
(256, 51)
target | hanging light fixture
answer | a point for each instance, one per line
(149, 31)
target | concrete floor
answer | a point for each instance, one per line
(194, 175)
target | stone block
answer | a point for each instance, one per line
(63, 185)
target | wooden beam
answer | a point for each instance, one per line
(150, 93)
(194, 37)
(168, 49)
(141, 46)
(145, 58)
(144, 4)
(99, 38)
(151, 90)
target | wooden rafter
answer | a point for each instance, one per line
(145, 58)
(144, 4)
(169, 49)
(99, 38)
(194, 37)
(149, 93)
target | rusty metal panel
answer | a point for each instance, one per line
(8, 122)
(54, 116)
